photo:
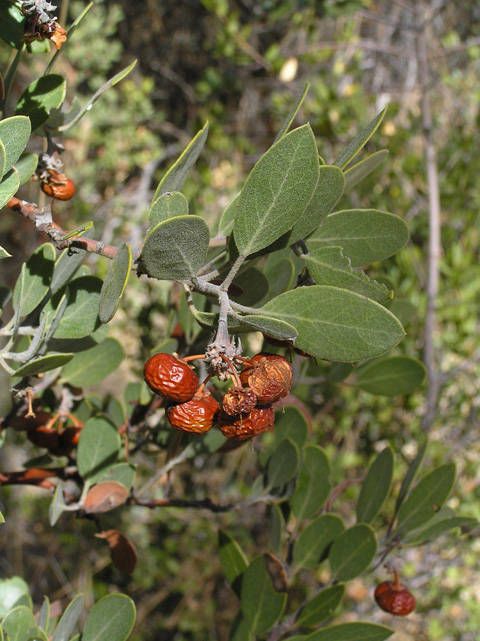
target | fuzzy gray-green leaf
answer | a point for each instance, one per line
(175, 249)
(329, 266)
(176, 174)
(336, 324)
(365, 235)
(115, 283)
(276, 191)
(376, 486)
(390, 376)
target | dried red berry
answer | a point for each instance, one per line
(270, 377)
(169, 376)
(393, 597)
(45, 436)
(59, 186)
(260, 419)
(196, 415)
(239, 400)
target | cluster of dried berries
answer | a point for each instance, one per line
(39, 24)
(59, 434)
(245, 410)
(53, 181)
(393, 597)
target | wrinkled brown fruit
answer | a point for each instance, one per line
(122, 550)
(393, 597)
(170, 377)
(270, 377)
(239, 400)
(59, 186)
(260, 419)
(196, 415)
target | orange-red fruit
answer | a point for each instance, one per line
(59, 186)
(394, 598)
(169, 376)
(270, 377)
(196, 415)
(260, 419)
(239, 400)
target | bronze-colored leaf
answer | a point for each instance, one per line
(277, 572)
(104, 497)
(122, 550)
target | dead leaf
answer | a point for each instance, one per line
(122, 551)
(104, 497)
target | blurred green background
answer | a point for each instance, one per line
(240, 64)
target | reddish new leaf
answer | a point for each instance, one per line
(122, 551)
(104, 497)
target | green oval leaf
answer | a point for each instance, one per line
(123, 473)
(69, 619)
(293, 112)
(168, 205)
(336, 324)
(426, 498)
(33, 283)
(115, 283)
(352, 552)
(321, 607)
(365, 235)
(277, 191)
(260, 603)
(436, 528)
(313, 483)
(12, 21)
(175, 249)
(174, 178)
(351, 632)
(26, 166)
(111, 619)
(98, 447)
(65, 267)
(9, 186)
(391, 376)
(314, 541)
(40, 97)
(3, 159)
(329, 266)
(283, 464)
(4, 253)
(77, 112)
(273, 327)
(327, 193)
(232, 558)
(19, 624)
(227, 219)
(43, 364)
(91, 366)
(12, 592)
(14, 134)
(364, 168)
(81, 315)
(376, 486)
(290, 423)
(360, 140)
